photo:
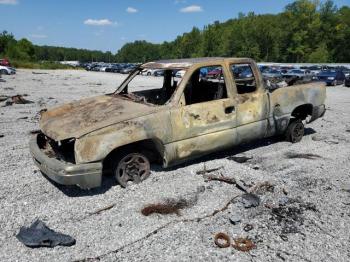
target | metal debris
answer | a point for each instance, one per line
(17, 99)
(222, 240)
(239, 159)
(99, 211)
(250, 200)
(206, 171)
(248, 227)
(243, 244)
(221, 178)
(310, 156)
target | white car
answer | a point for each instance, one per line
(180, 74)
(148, 72)
(5, 70)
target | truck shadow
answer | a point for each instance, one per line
(108, 180)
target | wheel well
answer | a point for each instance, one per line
(301, 112)
(152, 148)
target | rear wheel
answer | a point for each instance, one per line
(295, 131)
(131, 165)
(4, 72)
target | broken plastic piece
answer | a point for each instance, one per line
(39, 235)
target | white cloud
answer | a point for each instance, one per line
(131, 10)
(8, 2)
(41, 36)
(191, 9)
(98, 22)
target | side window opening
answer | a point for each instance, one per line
(244, 78)
(156, 89)
(206, 84)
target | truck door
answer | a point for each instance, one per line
(205, 120)
(252, 102)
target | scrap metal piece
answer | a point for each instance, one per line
(243, 244)
(248, 227)
(222, 240)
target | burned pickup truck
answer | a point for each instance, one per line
(169, 120)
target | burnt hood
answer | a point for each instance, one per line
(78, 118)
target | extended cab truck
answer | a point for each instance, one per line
(169, 120)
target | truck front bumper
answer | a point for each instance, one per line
(85, 176)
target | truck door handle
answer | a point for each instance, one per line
(229, 109)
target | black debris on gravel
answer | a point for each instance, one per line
(39, 235)
(250, 200)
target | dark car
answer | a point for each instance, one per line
(114, 69)
(331, 77)
(347, 81)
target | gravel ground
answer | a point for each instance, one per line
(303, 214)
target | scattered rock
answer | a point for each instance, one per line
(250, 200)
(235, 219)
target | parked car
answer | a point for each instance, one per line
(159, 72)
(5, 70)
(272, 73)
(5, 62)
(180, 74)
(127, 70)
(331, 77)
(214, 73)
(347, 81)
(125, 131)
(148, 72)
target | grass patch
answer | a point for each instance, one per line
(40, 65)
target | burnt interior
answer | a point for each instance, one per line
(157, 96)
(202, 89)
(63, 150)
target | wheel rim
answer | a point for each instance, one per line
(298, 132)
(133, 167)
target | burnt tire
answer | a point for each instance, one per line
(131, 165)
(295, 131)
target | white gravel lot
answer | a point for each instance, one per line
(305, 218)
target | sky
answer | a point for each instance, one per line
(108, 24)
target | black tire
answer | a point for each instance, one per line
(149, 73)
(295, 131)
(4, 72)
(131, 165)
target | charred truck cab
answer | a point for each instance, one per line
(198, 106)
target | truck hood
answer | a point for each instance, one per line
(78, 118)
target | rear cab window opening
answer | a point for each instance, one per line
(205, 84)
(244, 78)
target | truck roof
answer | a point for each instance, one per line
(188, 62)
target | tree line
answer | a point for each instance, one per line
(306, 31)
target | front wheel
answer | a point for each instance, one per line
(131, 166)
(295, 131)
(4, 72)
